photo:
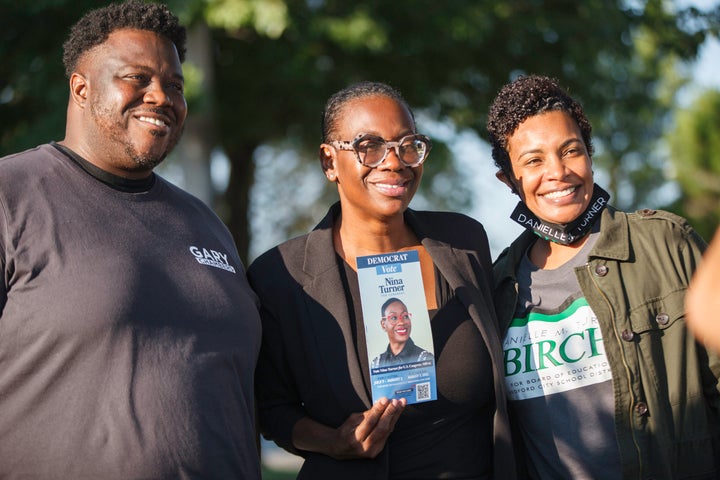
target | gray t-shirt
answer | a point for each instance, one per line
(128, 332)
(558, 377)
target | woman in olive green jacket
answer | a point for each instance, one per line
(604, 379)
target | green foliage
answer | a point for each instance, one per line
(193, 85)
(33, 92)
(267, 17)
(275, 62)
(357, 32)
(695, 153)
(450, 58)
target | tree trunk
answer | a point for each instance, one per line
(237, 195)
(193, 151)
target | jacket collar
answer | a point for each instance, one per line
(613, 244)
(319, 249)
(614, 241)
(329, 310)
(318, 262)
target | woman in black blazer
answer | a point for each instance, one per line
(313, 380)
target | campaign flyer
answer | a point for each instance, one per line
(397, 327)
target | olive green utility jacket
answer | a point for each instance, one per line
(667, 398)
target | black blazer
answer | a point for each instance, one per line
(308, 364)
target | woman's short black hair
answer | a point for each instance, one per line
(337, 101)
(96, 25)
(526, 97)
(387, 304)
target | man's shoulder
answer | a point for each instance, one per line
(182, 195)
(34, 151)
(27, 159)
(20, 172)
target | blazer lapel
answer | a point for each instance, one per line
(329, 312)
(456, 268)
(472, 291)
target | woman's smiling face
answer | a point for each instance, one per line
(383, 191)
(552, 167)
(396, 323)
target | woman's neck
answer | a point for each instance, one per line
(356, 239)
(550, 255)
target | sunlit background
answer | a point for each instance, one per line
(241, 139)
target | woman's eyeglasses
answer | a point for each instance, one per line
(371, 150)
(394, 318)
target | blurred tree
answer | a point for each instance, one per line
(695, 153)
(275, 62)
(33, 95)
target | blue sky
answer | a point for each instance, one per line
(706, 70)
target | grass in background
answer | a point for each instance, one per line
(268, 474)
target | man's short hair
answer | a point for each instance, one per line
(96, 25)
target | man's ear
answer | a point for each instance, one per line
(78, 89)
(502, 176)
(327, 161)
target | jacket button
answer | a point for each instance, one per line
(647, 212)
(627, 335)
(641, 408)
(601, 270)
(662, 318)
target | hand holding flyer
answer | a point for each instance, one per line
(392, 291)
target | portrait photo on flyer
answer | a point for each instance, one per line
(397, 327)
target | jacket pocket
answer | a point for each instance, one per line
(658, 313)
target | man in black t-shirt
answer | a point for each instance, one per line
(128, 332)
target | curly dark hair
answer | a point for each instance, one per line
(525, 97)
(337, 101)
(96, 25)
